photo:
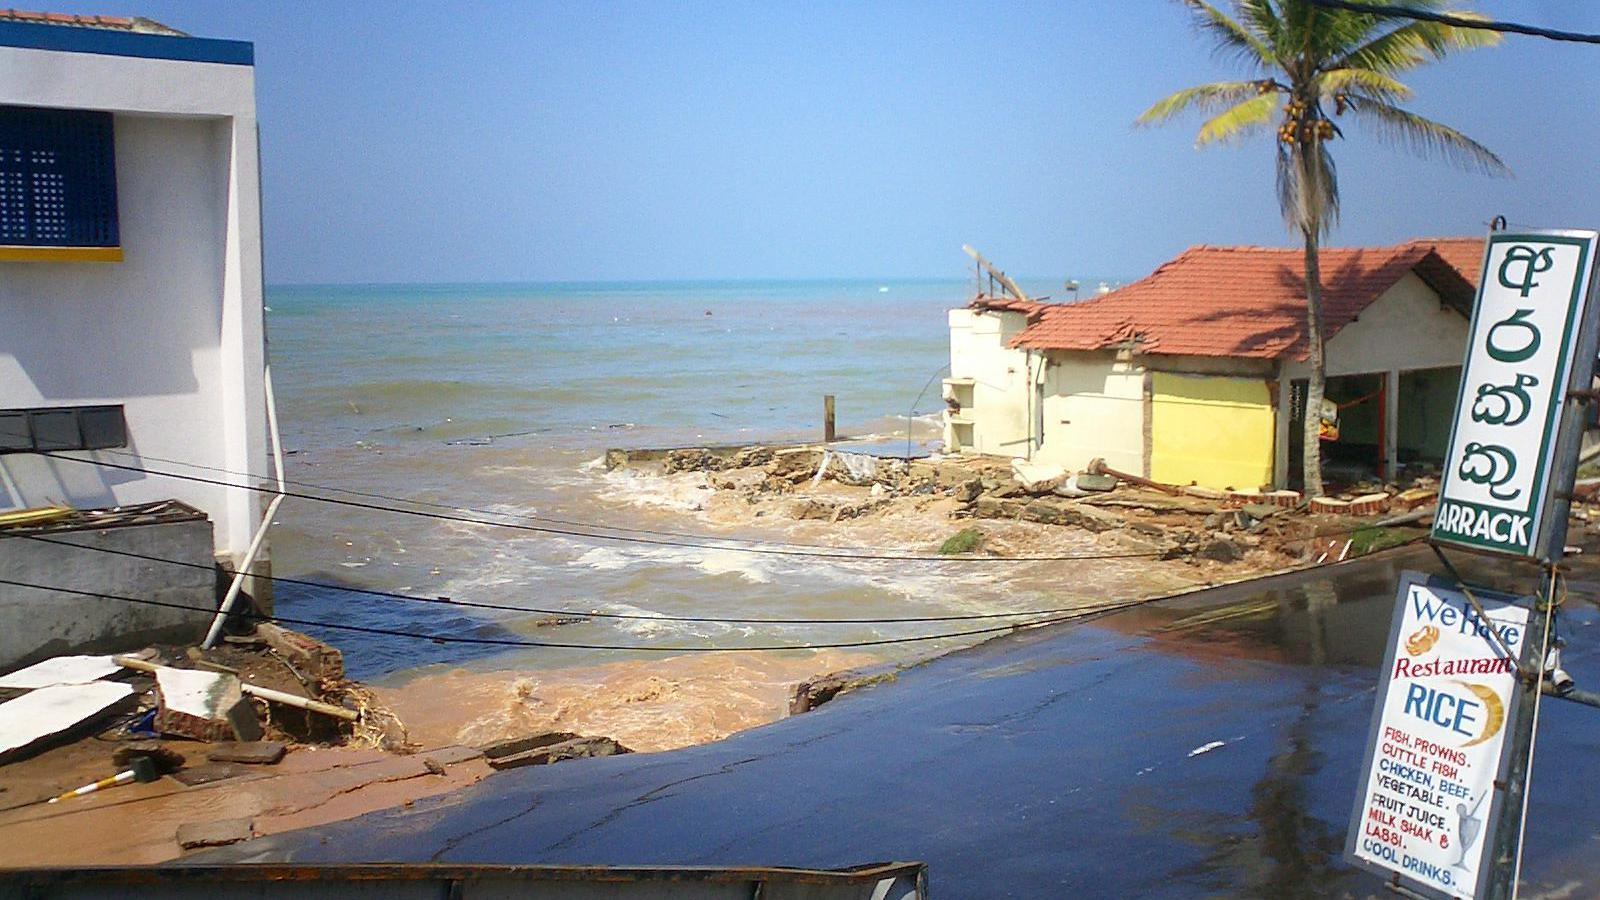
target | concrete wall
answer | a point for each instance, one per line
(40, 624)
(991, 382)
(1406, 328)
(174, 332)
(1093, 406)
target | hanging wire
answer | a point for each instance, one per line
(843, 553)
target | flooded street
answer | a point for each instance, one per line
(1203, 746)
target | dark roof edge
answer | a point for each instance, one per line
(32, 36)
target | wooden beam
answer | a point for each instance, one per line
(996, 274)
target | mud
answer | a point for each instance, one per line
(647, 705)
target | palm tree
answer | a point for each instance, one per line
(1310, 61)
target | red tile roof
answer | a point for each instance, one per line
(1030, 308)
(1249, 301)
(108, 23)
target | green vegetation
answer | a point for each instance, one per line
(964, 541)
(1372, 539)
(1308, 61)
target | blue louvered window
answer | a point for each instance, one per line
(58, 178)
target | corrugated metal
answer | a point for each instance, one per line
(881, 881)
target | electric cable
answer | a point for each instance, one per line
(597, 526)
(589, 614)
(1457, 21)
(567, 645)
(586, 614)
(662, 542)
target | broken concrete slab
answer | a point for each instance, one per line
(577, 748)
(206, 706)
(61, 670)
(1036, 477)
(253, 753)
(219, 833)
(514, 746)
(31, 720)
(1061, 512)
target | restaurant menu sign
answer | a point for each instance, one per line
(1532, 340)
(1438, 741)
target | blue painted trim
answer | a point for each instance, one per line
(77, 39)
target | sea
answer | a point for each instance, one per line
(485, 411)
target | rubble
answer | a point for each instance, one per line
(809, 695)
(1133, 514)
(544, 749)
(205, 706)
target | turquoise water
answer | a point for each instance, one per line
(663, 363)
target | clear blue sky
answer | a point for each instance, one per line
(619, 140)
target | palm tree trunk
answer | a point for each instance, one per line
(1316, 384)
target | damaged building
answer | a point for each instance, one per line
(131, 335)
(1196, 374)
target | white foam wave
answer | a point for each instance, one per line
(682, 492)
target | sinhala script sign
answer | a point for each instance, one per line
(1445, 696)
(1522, 355)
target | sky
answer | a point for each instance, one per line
(552, 141)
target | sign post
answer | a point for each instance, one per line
(1446, 695)
(1452, 733)
(1507, 478)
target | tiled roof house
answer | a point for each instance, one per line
(1192, 374)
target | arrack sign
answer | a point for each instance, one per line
(1446, 695)
(1532, 341)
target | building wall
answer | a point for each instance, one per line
(1405, 330)
(40, 624)
(1211, 430)
(175, 331)
(991, 382)
(1093, 407)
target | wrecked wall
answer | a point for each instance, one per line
(990, 381)
(1093, 407)
(40, 624)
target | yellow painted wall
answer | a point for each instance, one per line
(1212, 431)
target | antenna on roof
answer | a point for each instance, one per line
(995, 275)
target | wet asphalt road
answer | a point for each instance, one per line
(1055, 762)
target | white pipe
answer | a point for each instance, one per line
(260, 537)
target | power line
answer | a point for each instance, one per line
(565, 645)
(594, 614)
(598, 526)
(591, 614)
(1456, 21)
(663, 542)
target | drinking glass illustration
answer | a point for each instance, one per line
(1467, 831)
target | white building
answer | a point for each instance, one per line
(131, 327)
(1196, 373)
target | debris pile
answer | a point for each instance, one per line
(829, 483)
